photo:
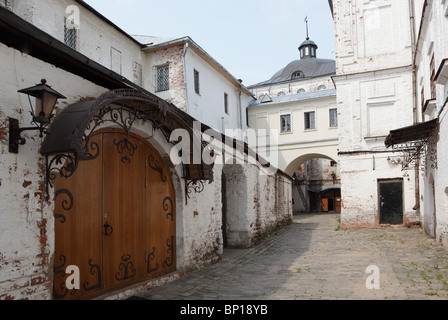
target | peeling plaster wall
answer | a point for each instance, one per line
(27, 224)
(256, 204)
(374, 84)
(434, 184)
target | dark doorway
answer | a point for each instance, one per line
(391, 201)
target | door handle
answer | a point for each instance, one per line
(108, 229)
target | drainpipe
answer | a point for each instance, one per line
(186, 46)
(240, 109)
(414, 94)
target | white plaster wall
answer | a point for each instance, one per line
(208, 105)
(359, 179)
(293, 147)
(96, 38)
(27, 224)
(256, 204)
(433, 41)
(372, 35)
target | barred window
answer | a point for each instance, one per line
(70, 36)
(333, 118)
(163, 78)
(196, 81)
(285, 123)
(310, 120)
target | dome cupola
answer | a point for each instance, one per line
(308, 49)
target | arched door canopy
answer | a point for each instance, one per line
(68, 139)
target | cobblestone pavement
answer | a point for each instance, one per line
(312, 260)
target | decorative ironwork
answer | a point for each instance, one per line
(122, 108)
(94, 268)
(196, 186)
(154, 164)
(422, 153)
(127, 268)
(149, 257)
(63, 164)
(169, 260)
(59, 270)
(168, 206)
(66, 205)
(125, 147)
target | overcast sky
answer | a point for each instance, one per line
(252, 39)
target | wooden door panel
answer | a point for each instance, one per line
(123, 207)
(115, 217)
(160, 217)
(78, 228)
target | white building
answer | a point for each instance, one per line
(374, 83)
(296, 114)
(426, 139)
(154, 218)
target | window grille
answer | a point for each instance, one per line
(285, 123)
(310, 120)
(70, 36)
(163, 78)
(333, 118)
(196, 81)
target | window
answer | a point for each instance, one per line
(333, 118)
(281, 94)
(321, 88)
(433, 75)
(226, 103)
(196, 81)
(163, 78)
(285, 122)
(423, 103)
(70, 36)
(301, 90)
(310, 120)
(297, 74)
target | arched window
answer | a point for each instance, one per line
(281, 94)
(301, 90)
(321, 88)
(297, 74)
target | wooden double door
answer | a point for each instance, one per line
(114, 218)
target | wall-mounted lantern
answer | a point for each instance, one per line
(42, 113)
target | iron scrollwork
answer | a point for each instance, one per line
(125, 147)
(94, 268)
(149, 257)
(66, 205)
(59, 270)
(154, 164)
(169, 260)
(168, 207)
(127, 268)
(196, 186)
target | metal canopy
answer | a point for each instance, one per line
(68, 140)
(418, 132)
(417, 143)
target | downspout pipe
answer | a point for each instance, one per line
(414, 94)
(186, 47)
